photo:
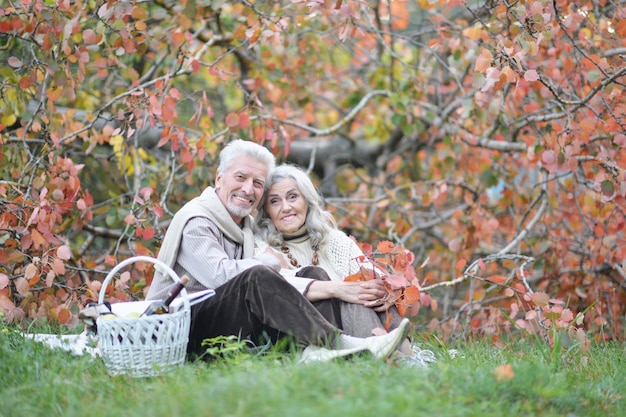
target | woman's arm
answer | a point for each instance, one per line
(369, 293)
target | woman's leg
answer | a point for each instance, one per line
(355, 319)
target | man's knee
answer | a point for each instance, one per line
(262, 272)
(314, 272)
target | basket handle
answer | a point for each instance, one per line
(134, 259)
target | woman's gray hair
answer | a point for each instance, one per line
(239, 147)
(319, 222)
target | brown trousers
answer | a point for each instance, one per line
(260, 301)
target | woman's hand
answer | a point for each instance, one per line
(369, 293)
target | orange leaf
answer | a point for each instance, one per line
(33, 281)
(412, 294)
(388, 321)
(401, 308)
(354, 277)
(497, 279)
(621, 28)
(367, 273)
(483, 61)
(64, 315)
(385, 246)
(504, 373)
(38, 239)
(178, 38)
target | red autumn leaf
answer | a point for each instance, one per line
(148, 233)
(158, 210)
(58, 266)
(531, 75)
(397, 281)
(22, 287)
(4, 280)
(90, 37)
(244, 120)
(366, 248)
(232, 121)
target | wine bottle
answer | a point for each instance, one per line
(163, 306)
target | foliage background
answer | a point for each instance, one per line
(463, 131)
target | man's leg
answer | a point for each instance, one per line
(331, 308)
(255, 300)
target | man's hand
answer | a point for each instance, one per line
(279, 256)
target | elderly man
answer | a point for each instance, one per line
(210, 240)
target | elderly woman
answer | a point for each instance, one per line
(315, 255)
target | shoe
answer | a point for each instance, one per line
(419, 358)
(319, 354)
(383, 346)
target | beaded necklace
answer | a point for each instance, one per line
(292, 260)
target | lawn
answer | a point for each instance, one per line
(520, 378)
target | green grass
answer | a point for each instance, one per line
(37, 381)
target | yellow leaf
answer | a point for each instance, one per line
(9, 119)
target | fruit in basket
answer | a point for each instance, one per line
(133, 315)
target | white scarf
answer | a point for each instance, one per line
(210, 206)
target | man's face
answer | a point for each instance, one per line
(241, 187)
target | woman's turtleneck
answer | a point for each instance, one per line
(299, 235)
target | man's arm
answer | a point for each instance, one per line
(209, 257)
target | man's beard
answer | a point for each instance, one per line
(237, 211)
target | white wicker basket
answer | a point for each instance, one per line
(143, 346)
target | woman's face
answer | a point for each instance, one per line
(286, 206)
